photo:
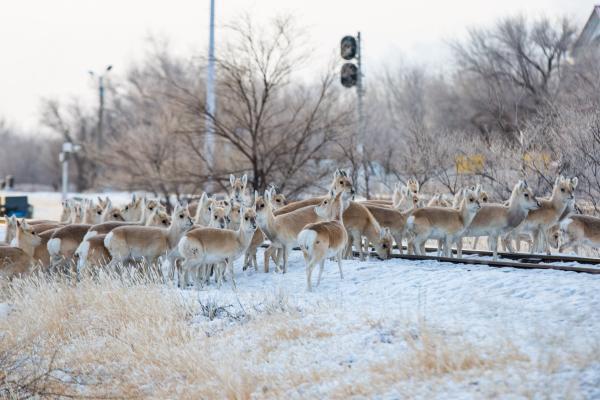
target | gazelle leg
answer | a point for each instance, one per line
(309, 268)
(339, 260)
(321, 268)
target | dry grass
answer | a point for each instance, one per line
(136, 337)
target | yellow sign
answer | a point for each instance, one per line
(469, 164)
(538, 160)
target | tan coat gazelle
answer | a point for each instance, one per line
(135, 243)
(259, 237)
(18, 260)
(65, 240)
(282, 230)
(321, 240)
(393, 220)
(446, 224)
(239, 189)
(92, 252)
(204, 246)
(579, 230)
(204, 210)
(495, 220)
(360, 222)
(341, 183)
(538, 222)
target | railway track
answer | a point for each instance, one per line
(506, 260)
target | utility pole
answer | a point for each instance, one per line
(360, 93)
(99, 131)
(68, 148)
(209, 139)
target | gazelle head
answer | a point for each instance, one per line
(111, 213)
(564, 188)
(159, 217)
(413, 185)
(471, 200)
(132, 211)
(90, 212)
(342, 183)
(235, 216)
(331, 206)
(180, 218)
(239, 190)
(219, 217)
(383, 247)
(26, 234)
(262, 205)
(524, 196)
(248, 222)
(204, 210)
(65, 215)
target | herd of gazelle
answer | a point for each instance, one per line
(202, 240)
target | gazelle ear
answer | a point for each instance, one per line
(574, 182)
(231, 179)
(244, 179)
(203, 198)
(268, 195)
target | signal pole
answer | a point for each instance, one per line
(360, 93)
(210, 99)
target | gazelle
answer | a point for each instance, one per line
(259, 237)
(134, 210)
(321, 240)
(65, 240)
(239, 190)
(579, 230)
(204, 210)
(282, 230)
(359, 222)
(393, 220)
(446, 224)
(405, 199)
(437, 200)
(341, 183)
(219, 217)
(539, 221)
(18, 260)
(496, 220)
(91, 251)
(203, 246)
(134, 243)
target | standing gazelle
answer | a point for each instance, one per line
(204, 246)
(445, 224)
(147, 243)
(321, 240)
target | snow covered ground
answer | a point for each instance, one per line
(390, 329)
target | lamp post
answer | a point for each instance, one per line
(209, 139)
(101, 102)
(65, 154)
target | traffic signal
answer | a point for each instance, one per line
(350, 50)
(349, 75)
(348, 47)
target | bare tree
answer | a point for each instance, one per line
(509, 71)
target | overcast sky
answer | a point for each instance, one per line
(47, 46)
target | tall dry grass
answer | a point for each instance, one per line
(113, 337)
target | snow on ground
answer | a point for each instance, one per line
(541, 314)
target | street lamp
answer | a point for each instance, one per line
(65, 154)
(101, 105)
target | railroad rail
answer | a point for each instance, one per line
(517, 260)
